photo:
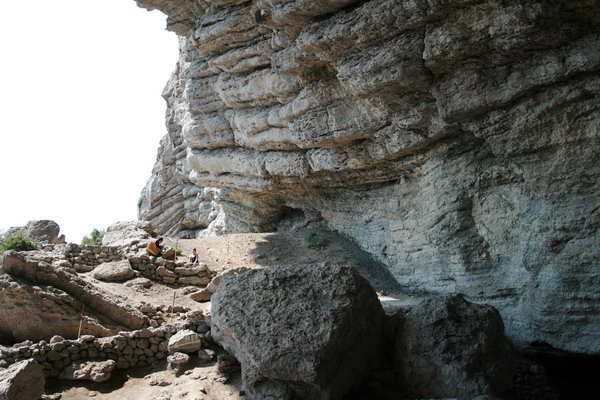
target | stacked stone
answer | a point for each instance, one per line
(129, 349)
(90, 255)
(172, 272)
(157, 315)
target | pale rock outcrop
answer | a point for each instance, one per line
(307, 332)
(38, 312)
(83, 370)
(114, 271)
(185, 341)
(127, 232)
(23, 380)
(454, 141)
(448, 347)
(42, 231)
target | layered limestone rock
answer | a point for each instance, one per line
(456, 141)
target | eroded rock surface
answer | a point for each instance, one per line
(448, 347)
(306, 332)
(43, 231)
(34, 268)
(95, 371)
(114, 271)
(457, 142)
(23, 380)
(38, 312)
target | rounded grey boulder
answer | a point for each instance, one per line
(114, 271)
(449, 347)
(309, 332)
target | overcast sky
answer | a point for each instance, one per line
(81, 114)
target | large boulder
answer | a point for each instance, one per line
(114, 271)
(95, 371)
(125, 233)
(308, 332)
(23, 380)
(449, 347)
(43, 231)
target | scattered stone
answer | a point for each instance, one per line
(84, 268)
(95, 371)
(114, 271)
(449, 347)
(159, 381)
(23, 380)
(56, 339)
(299, 331)
(185, 341)
(206, 354)
(139, 283)
(177, 361)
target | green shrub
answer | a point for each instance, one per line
(177, 251)
(18, 242)
(315, 240)
(95, 238)
(155, 233)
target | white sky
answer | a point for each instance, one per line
(81, 112)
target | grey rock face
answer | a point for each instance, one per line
(126, 232)
(43, 231)
(455, 141)
(305, 332)
(114, 271)
(95, 371)
(449, 347)
(23, 380)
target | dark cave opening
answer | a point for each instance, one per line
(573, 376)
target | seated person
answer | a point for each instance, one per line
(155, 248)
(194, 257)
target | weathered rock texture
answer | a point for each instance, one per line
(456, 141)
(39, 312)
(448, 347)
(61, 292)
(307, 332)
(44, 231)
(22, 381)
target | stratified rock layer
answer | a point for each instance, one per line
(299, 332)
(456, 141)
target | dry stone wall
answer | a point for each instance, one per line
(129, 349)
(455, 141)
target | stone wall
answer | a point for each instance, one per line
(129, 349)
(172, 272)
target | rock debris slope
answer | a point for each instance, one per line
(456, 141)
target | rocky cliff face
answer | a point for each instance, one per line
(456, 141)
